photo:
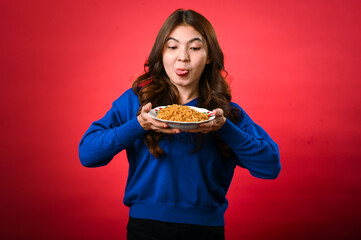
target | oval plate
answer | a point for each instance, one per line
(182, 125)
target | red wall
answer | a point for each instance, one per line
(295, 68)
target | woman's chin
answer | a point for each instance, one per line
(183, 82)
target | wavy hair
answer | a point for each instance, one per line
(154, 85)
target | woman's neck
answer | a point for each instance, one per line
(187, 95)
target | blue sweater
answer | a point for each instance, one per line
(181, 186)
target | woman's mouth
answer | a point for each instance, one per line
(181, 72)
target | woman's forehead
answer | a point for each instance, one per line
(185, 33)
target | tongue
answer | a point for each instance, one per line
(181, 72)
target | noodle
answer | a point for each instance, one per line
(180, 113)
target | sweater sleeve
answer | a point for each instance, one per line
(254, 148)
(108, 136)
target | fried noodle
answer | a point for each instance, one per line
(181, 113)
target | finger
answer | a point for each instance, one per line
(205, 125)
(166, 130)
(147, 107)
(145, 110)
(144, 115)
(208, 124)
(171, 130)
(218, 112)
(158, 124)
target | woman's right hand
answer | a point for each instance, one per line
(149, 123)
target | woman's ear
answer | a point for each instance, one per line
(209, 60)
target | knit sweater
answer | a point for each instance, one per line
(182, 185)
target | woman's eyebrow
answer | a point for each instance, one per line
(190, 41)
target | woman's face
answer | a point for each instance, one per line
(185, 55)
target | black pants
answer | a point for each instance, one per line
(144, 229)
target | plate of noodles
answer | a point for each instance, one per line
(181, 117)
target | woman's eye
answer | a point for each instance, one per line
(195, 48)
(171, 47)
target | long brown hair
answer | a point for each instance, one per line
(154, 85)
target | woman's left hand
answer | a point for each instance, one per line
(213, 125)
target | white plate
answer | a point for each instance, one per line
(182, 125)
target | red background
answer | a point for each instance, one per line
(294, 66)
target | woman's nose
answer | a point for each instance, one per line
(183, 55)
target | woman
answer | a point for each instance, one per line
(177, 182)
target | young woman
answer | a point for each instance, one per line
(178, 180)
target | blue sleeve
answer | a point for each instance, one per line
(111, 134)
(254, 148)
